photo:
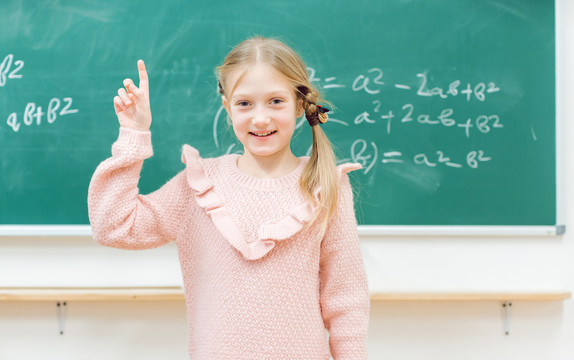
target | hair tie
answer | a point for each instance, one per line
(318, 117)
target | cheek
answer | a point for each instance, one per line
(236, 127)
(240, 126)
(291, 120)
(287, 127)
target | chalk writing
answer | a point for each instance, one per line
(363, 82)
(10, 69)
(367, 154)
(361, 153)
(34, 114)
(473, 158)
(483, 123)
(392, 157)
(364, 116)
(329, 81)
(479, 90)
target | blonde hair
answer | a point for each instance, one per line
(320, 173)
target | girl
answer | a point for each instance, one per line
(267, 241)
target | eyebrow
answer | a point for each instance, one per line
(269, 94)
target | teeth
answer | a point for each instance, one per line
(266, 134)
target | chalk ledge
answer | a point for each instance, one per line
(177, 294)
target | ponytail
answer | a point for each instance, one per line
(320, 173)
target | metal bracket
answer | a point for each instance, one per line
(506, 312)
(62, 314)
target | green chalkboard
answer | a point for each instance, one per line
(449, 105)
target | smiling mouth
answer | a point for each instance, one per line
(263, 134)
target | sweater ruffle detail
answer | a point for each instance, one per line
(268, 233)
(299, 215)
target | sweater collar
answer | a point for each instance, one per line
(230, 165)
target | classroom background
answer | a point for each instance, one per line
(442, 295)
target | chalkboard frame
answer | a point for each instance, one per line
(366, 230)
(363, 230)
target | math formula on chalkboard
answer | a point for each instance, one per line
(32, 114)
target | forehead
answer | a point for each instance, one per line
(257, 78)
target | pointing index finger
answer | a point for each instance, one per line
(144, 81)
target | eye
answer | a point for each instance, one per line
(242, 103)
(277, 101)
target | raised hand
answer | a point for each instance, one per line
(132, 103)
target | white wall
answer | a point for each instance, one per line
(399, 330)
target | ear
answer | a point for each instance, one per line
(300, 109)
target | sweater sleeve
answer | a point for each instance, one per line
(121, 217)
(344, 290)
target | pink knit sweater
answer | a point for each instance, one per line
(258, 284)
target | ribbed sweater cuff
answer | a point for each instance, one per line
(133, 144)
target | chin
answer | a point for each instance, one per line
(262, 152)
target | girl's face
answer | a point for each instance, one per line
(263, 110)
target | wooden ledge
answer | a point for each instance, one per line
(92, 294)
(176, 294)
(473, 296)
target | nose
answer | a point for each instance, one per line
(260, 118)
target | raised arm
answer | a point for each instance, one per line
(119, 215)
